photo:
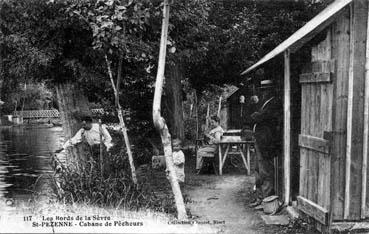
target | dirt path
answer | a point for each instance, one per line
(222, 199)
(227, 198)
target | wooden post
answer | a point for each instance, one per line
(248, 158)
(219, 106)
(340, 54)
(220, 158)
(287, 127)
(349, 119)
(159, 121)
(356, 102)
(366, 127)
(207, 118)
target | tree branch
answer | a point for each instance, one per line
(120, 113)
(108, 65)
(119, 75)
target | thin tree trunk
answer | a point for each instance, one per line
(159, 121)
(174, 98)
(101, 150)
(207, 121)
(128, 145)
(197, 115)
(191, 108)
(24, 100)
(120, 114)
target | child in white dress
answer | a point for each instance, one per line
(179, 161)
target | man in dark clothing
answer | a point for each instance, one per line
(267, 133)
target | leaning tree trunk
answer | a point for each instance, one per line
(173, 90)
(159, 121)
(128, 144)
(120, 113)
(72, 104)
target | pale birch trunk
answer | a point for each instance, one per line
(159, 121)
(120, 114)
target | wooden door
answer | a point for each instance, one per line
(316, 124)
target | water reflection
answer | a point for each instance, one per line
(24, 156)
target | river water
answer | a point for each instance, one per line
(25, 154)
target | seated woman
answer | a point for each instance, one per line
(212, 137)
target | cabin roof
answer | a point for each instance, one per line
(306, 33)
(226, 97)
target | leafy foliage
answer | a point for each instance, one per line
(40, 41)
(117, 26)
(31, 96)
(213, 41)
(241, 32)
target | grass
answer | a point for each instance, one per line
(114, 190)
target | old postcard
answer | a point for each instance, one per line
(178, 116)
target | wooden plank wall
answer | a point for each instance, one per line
(316, 119)
(346, 45)
(323, 120)
(358, 32)
(340, 52)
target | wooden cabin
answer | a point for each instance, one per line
(326, 126)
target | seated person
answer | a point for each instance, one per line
(212, 137)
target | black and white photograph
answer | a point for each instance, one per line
(184, 116)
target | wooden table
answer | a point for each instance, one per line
(226, 148)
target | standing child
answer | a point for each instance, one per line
(179, 161)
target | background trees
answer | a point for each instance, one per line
(210, 43)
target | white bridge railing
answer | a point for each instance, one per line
(36, 114)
